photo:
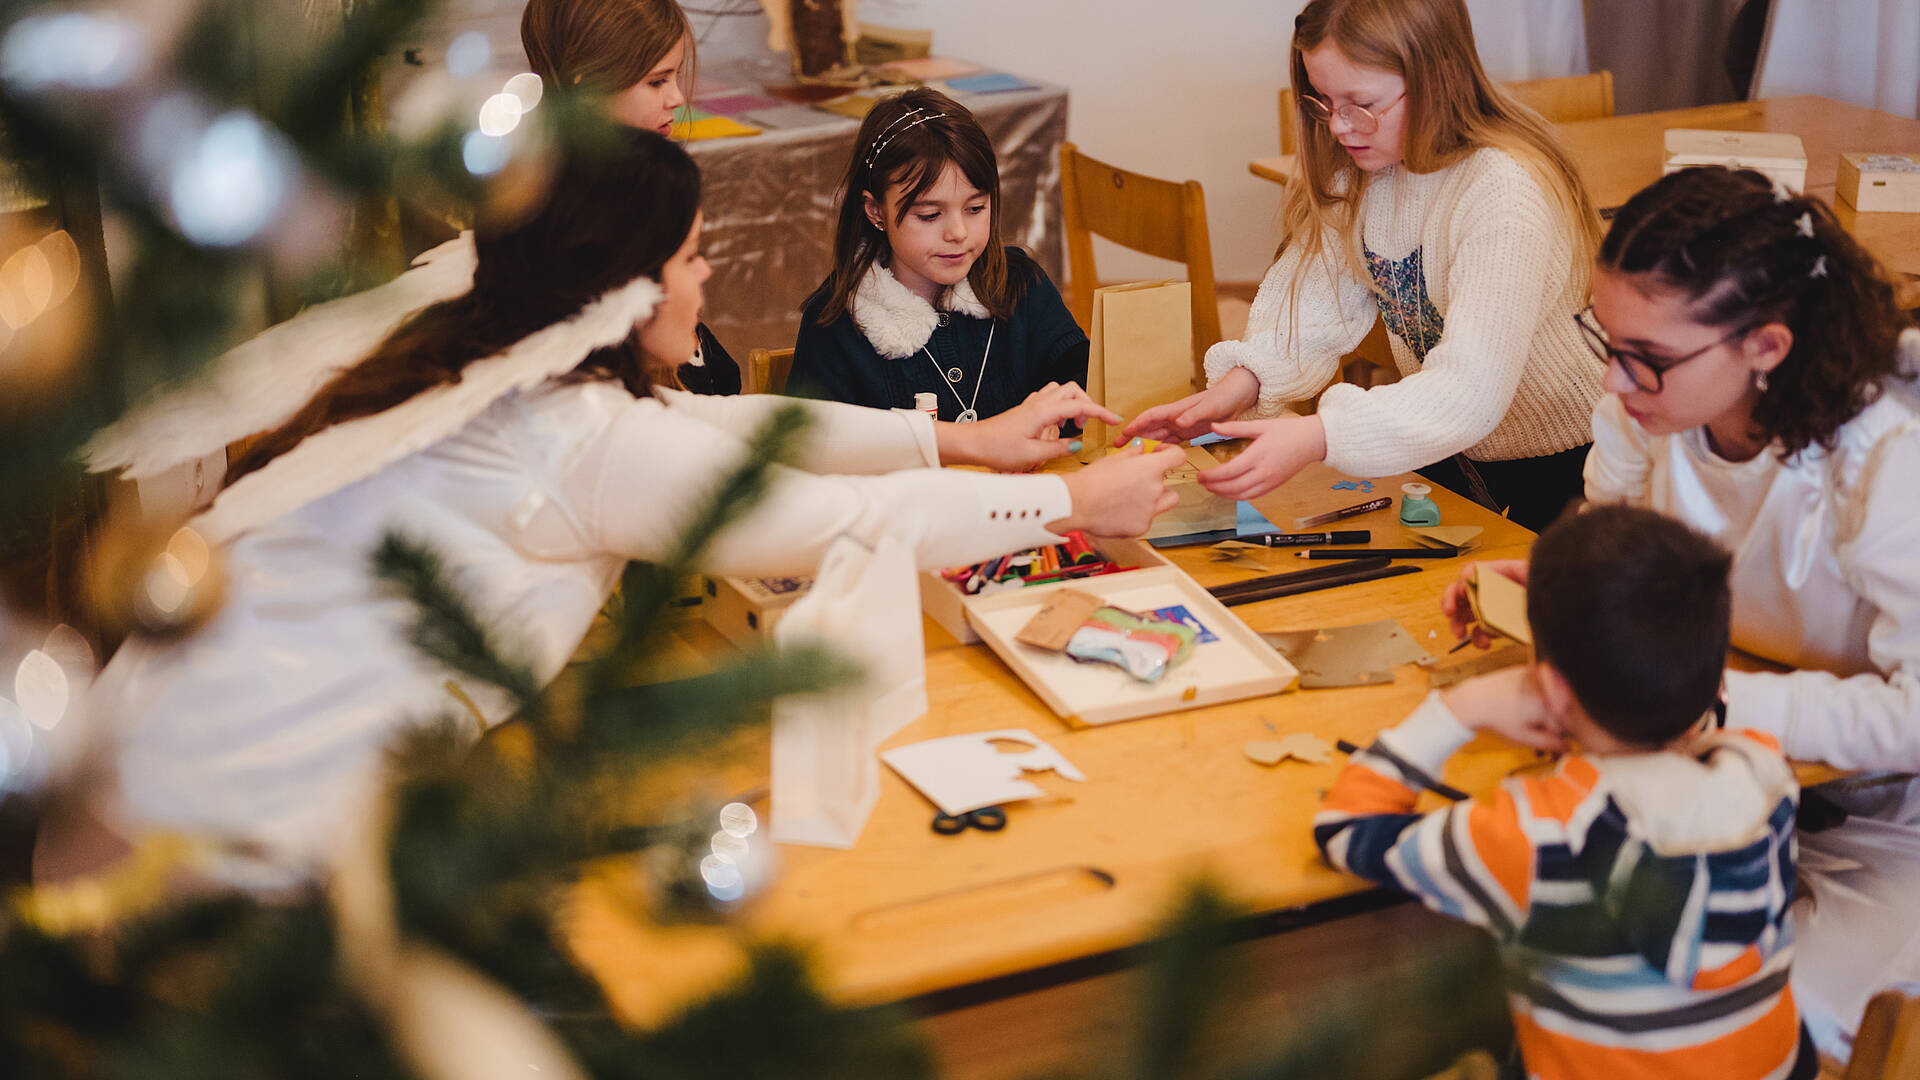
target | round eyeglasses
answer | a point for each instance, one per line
(1355, 117)
(1645, 375)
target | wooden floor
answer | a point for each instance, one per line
(1384, 995)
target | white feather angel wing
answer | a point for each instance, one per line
(259, 384)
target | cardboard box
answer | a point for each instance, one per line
(1880, 183)
(945, 604)
(1781, 157)
(745, 610)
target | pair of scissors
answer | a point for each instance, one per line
(986, 819)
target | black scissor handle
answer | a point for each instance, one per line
(986, 819)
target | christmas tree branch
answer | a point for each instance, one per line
(445, 627)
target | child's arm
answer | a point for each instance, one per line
(1620, 464)
(1471, 861)
(1303, 320)
(822, 367)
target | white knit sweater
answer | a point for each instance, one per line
(1479, 293)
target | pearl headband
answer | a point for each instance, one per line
(887, 134)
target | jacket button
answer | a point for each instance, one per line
(943, 318)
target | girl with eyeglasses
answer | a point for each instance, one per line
(1756, 390)
(1429, 195)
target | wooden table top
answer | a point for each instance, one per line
(1619, 155)
(1094, 865)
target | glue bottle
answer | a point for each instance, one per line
(927, 403)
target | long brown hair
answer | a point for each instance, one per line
(604, 46)
(1453, 109)
(614, 213)
(1742, 256)
(899, 145)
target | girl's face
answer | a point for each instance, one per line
(1340, 82)
(940, 236)
(668, 335)
(649, 104)
(1705, 373)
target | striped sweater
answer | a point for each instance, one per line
(1639, 901)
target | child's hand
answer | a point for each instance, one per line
(1025, 436)
(1281, 447)
(1177, 421)
(1122, 493)
(1454, 601)
(1509, 703)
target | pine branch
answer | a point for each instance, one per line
(445, 627)
(648, 588)
(1185, 982)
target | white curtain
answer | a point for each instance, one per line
(1530, 39)
(1863, 51)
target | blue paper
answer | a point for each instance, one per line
(1247, 520)
(992, 83)
(1179, 613)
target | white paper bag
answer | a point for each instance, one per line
(865, 606)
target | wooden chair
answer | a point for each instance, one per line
(1473, 1065)
(1163, 218)
(1564, 100)
(766, 371)
(1887, 1046)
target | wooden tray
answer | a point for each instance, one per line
(1238, 665)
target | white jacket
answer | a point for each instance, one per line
(270, 723)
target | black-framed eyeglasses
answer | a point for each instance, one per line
(1355, 117)
(1648, 376)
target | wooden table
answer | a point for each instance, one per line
(1091, 867)
(1619, 155)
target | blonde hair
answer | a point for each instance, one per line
(604, 46)
(1452, 109)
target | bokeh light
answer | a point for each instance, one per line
(232, 182)
(527, 88)
(468, 53)
(499, 114)
(40, 690)
(70, 49)
(484, 154)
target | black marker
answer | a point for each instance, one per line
(1345, 536)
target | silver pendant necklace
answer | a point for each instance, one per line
(967, 413)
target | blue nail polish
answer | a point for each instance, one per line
(1073, 447)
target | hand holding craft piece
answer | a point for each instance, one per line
(1499, 605)
(1085, 628)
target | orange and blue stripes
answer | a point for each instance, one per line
(1640, 902)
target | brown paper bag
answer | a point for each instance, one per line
(1141, 349)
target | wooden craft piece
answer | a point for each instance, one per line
(1499, 605)
(1053, 625)
(1361, 655)
(1302, 747)
(1454, 536)
(1439, 678)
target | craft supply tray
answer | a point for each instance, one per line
(946, 604)
(1235, 666)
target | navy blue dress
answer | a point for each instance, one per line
(1039, 344)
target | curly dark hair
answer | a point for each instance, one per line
(1740, 254)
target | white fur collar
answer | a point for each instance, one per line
(895, 320)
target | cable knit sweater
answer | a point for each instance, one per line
(1474, 267)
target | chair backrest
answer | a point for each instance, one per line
(1163, 218)
(1887, 1046)
(1575, 97)
(1472, 1065)
(1564, 100)
(1289, 122)
(767, 371)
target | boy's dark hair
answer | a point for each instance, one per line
(1742, 255)
(1633, 609)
